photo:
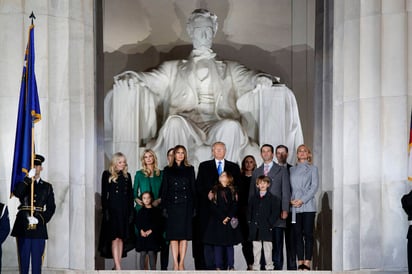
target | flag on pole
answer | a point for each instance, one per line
(28, 114)
(410, 152)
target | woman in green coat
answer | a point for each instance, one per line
(149, 178)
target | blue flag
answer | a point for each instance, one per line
(28, 114)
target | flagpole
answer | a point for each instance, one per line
(28, 114)
(32, 226)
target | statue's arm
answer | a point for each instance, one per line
(157, 81)
(245, 79)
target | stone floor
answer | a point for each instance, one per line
(67, 271)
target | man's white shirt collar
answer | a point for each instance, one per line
(269, 165)
(222, 161)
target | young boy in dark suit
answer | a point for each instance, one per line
(264, 209)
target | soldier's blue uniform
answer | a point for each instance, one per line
(4, 226)
(31, 242)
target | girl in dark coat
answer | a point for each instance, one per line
(219, 232)
(178, 189)
(149, 230)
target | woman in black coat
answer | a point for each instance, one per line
(178, 190)
(248, 166)
(117, 234)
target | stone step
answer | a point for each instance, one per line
(69, 271)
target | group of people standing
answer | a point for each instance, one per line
(154, 214)
(222, 206)
(281, 208)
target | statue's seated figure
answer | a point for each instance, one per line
(196, 102)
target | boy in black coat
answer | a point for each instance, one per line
(264, 209)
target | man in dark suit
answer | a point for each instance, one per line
(282, 153)
(207, 177)
(407, 206)
(280, 188)
(30, 230)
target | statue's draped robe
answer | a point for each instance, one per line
(197, 101)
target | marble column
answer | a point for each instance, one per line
(370, 129)
(64, 44)
(322, 131)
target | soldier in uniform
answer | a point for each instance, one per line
(4, 226)
(31, 231)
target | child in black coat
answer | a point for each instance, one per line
(264, 209)
(149, 226)
(222, 231)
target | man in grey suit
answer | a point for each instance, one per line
(280, 187)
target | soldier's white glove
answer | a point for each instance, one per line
(32, 173)
(33, 220)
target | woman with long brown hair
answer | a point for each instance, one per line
(247, 168)
(178, 190)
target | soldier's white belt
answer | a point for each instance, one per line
(36, 208)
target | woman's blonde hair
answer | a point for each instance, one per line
(146, 171)
(112, 168)
(309, 152)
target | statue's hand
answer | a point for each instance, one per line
(128, 79)
(267, 80)
(264, 81)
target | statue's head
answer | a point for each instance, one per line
(202, 27)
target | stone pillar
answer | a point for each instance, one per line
(370, 132)
(322, 131)
(64, 45)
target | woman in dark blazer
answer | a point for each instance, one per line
(178, 190)
(248, 166)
